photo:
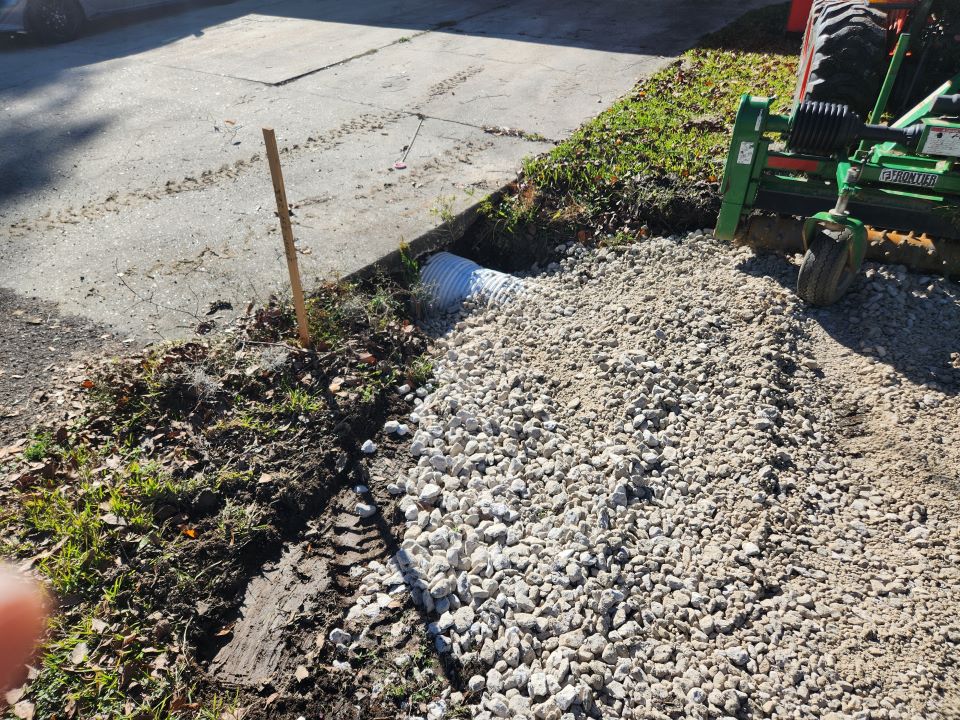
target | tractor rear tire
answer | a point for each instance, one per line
(849, 55)
(824, 275)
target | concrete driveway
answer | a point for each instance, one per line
(133, 189)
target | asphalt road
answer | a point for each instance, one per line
(133, 188)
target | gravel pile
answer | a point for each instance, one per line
(662, 487)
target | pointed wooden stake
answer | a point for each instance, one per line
(279, 191)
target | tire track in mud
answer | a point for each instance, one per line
(289, 604)
(294, 602)
(118, 201)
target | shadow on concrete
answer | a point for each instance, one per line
(30, 147)
(573, 23)
(39, 342)
(910, 331)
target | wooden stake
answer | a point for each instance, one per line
(279, 191)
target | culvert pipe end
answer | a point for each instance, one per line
(450, 279)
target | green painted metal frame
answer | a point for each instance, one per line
(920, 16)
(899, 53)
(745, 160)
(752, 165)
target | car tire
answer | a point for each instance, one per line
(55, 21)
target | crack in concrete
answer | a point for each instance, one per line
(489, 129)
(366, 53)
(398, 41)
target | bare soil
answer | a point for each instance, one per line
(39, 345)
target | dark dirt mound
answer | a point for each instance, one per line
(654, 204)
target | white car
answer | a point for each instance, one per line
(62, 20)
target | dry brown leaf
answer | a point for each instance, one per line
(79, 653)
(112, 519)
(180, 703)
(225, 630)
(301, 673)
(13, 449)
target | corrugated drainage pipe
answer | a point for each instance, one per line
(450, 279)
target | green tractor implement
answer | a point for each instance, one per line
(840, 188)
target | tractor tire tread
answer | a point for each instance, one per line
(848, 56)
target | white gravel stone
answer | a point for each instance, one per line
(369, 447)
(339, 636)
(565, 698)
(631, 494)
(430, 493)
(366, 510)
(738, 656)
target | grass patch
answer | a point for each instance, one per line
(39, 446)
(652, 161)
(89, 664)
(238, 522)
(421, 370)
(90, 517)
(299, 401)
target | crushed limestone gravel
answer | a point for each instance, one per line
(660, 486)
